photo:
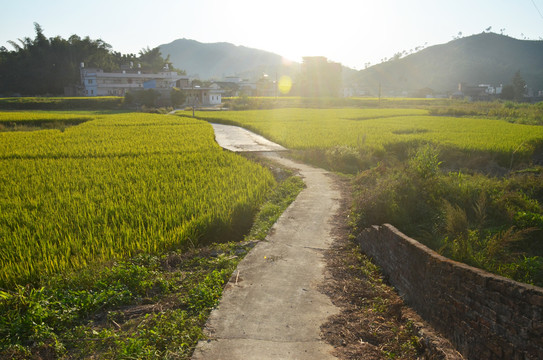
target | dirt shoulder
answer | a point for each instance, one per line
(273, 309)
(373, 322)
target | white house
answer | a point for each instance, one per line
(96, 82)
(203, 96)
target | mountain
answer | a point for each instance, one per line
(217, 60)
(485, 58)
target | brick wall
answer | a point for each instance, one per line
(485, 316)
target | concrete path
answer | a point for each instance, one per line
(238, 139)
(272, 307)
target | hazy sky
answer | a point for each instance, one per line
(347, 31)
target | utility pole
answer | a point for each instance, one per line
(379, 94)
(193, 99)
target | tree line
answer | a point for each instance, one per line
(45, 66)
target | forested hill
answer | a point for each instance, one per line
(217, 60)
(485, 58)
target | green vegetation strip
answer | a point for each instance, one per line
(62, 103)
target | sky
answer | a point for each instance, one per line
(351, 32)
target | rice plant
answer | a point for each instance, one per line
(377, 129)
(114, 187)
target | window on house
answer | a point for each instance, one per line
(89, 81)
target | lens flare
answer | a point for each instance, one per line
(285, 84)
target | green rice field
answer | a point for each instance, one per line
(115, 186)
(376, 129)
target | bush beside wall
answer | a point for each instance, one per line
(484, 315)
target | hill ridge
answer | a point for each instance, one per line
(219, 59)
(486, 58)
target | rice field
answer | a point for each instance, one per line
(376, 129)
(37, 116)
(99, 103)
(113, 187)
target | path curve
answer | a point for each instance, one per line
(272, 307)
(238, 139)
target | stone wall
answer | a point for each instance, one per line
(485, 316)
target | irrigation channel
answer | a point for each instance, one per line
(272, 307)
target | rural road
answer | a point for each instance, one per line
(272, 308)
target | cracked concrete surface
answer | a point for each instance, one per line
(272, 307)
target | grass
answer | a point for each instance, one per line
(148, 306)
(488, 222)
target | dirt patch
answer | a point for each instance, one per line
(374, 322)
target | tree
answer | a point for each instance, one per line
(45, 66)
(396, 56)
(519, 86)
(508, 92)
(147, 97)
(177, 97)
(152, 61)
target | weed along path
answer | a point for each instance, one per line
(272, 307)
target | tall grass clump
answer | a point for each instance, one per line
(491, 223)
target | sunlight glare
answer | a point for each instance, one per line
(285, 84)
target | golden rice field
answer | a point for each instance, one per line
(298, 128)
(38, 116)
(113, 187)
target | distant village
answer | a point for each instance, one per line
(96, 82)
(130, 78)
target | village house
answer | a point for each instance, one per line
(235, 86)
(203, 96)
(96, 82)
(481, 92)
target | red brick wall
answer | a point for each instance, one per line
(485, 316)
